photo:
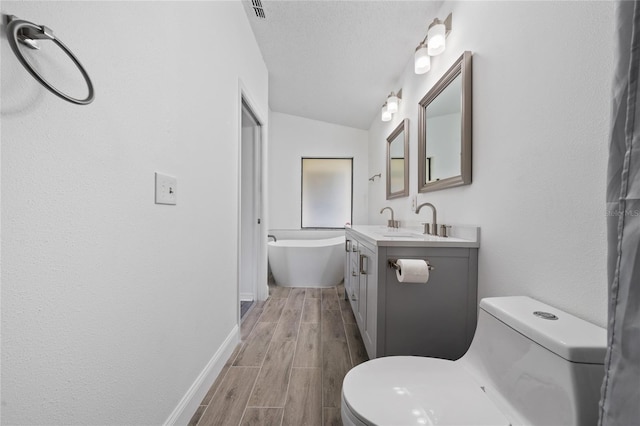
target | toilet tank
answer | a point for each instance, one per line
(540, 365)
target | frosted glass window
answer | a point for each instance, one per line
(326, 192)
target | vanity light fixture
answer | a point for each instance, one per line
(436, 41)
(392, 102)
(386, 114)
(391, 105)
(422, 60)
(433, 44)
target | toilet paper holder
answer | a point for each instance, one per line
(393, 265)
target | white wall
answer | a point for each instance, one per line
(541, 79)
(112, 306)
(292, 138)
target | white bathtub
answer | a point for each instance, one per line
(307, 263)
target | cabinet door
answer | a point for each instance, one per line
(354, 276)
(431, 319)
(371, 314)
(361, 313)
(367, 309)
(347, 267)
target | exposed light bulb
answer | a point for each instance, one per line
(392, 103)
(436, 41)
(421, 59)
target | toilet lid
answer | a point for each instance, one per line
(406, 390)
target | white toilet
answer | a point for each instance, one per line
(528, 364)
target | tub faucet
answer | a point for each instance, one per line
(391, 223)
(434, 224)
(272, 236)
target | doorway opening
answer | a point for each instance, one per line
(250, 249)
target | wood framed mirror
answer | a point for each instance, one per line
(398, 161)
(444, 130)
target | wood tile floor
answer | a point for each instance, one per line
(296, 348)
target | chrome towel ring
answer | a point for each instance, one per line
(25, 32)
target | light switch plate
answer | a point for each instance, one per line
(166, 189)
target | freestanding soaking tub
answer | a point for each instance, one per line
(307, 263)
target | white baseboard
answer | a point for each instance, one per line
(247, 297)
(190, 402)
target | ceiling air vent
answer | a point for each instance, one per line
(258, 9)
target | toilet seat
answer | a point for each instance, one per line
(406, 390)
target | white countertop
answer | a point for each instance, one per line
(379, 235)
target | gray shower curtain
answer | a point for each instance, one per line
(620, 403)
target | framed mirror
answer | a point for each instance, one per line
(444, 130)
(398, 161)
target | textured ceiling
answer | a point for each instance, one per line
(336, 61)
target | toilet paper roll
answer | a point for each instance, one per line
(412, 271)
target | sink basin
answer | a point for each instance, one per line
(401, 235)
(415, 236)
(409, 234)
(412, 236)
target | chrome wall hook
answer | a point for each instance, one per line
(30, 36)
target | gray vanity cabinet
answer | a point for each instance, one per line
(435, 319)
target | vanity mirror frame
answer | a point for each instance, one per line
(402, 127)
(462, 68)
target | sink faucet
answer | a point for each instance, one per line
(434, 224)
(391, 223)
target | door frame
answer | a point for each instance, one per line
(260, 211)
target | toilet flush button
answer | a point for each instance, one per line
(545, 315)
